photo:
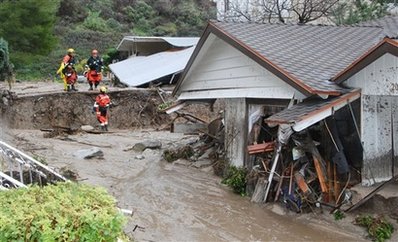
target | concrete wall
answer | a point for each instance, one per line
(379, 118)
(236, 130)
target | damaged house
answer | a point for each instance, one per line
(152, 59)
(313, 106)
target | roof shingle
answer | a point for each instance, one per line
(311, 54)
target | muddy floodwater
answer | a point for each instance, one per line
(172, 202)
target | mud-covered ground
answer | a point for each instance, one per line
(176, 202)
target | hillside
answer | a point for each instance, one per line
(87, 24)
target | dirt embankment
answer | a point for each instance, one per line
(133, 109)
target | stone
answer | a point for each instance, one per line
(139, 157)
(182, 162)
(150, 153)
(94, 152)
(87, 128)
(148, 144)
(202, 163)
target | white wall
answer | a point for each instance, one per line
(221, 71)
(379, 117)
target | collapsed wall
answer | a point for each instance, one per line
(133, 109)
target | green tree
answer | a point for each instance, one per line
(6, 68)
(359, 11)
(28, 25)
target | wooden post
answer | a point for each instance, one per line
(321, 175)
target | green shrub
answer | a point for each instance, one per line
(379, 229)
(62, 212)
(236, 179)
(338, 215)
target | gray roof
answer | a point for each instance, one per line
(310, 54)
(311, 107)
(388, 23)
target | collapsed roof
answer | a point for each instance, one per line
(139, 70)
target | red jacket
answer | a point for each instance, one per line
(102, 100)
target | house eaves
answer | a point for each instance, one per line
(387, 45)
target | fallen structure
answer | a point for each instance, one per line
(17, 169)
(152, 59)
(322, 95)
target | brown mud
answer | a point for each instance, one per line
(174, 202)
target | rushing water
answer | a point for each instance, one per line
(178, 203)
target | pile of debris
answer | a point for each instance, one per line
(303, 170)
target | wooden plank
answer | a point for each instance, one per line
(301, 183)
(261, 148)
(321, 175)
(187, 128)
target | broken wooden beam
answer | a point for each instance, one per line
(321, 176)
(261, 148)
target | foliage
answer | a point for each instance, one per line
(379, 229)
(359, 11)
(164, 106)
(95, 23)
(185, 152)
(6, 68)
(87, 24)
(338, 215)
(236, 179)
(62, 212)
(28, 25)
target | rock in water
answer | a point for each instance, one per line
(94, 152)
(148, 144)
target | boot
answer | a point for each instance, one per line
(73, 88)
(68, 88)
(91, 87)
(96, 85)
(106, 128)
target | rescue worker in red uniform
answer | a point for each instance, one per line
(94, 75)
(68, 59)
(70, 77)
(101, 108)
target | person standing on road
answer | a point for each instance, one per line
(101, 108)
(69, 59)
(94, 75)
(71, 77)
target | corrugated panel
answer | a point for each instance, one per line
(174, 41)
(137, 71)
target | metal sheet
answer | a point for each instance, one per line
(137, 71)
(173, 41)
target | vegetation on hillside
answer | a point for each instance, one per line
(40, 31)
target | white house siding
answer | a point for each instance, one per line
(379, 116)
(221, 71)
